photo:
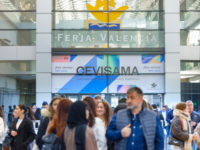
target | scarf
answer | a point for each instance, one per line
(185, 118)
(77, 119)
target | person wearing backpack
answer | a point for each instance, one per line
(181, 128)
(3, 128)
(59, 123)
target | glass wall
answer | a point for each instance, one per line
(17, 22)
(190, 82)
(108, 24)
(17, 83)
(190, 22)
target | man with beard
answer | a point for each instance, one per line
(136, 128)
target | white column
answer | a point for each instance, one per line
(172, 52)
(43, 51)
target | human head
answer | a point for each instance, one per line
(59, 120)
(122, 101)
(89, 101)
(97, 99)
(134, 98)
(34, 107)
(44, 104)
(154, 106)
(164, 108)
(104, 111)
(190, 106)
(77, 114)
(30, 113)
(53, 105)
(181, 106)
(20, 110)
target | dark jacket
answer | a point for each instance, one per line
(195, 117)
(150, 124)
(25, 134)
(37, 114)
(177, 131)
(160, 116)
(41, 131)
(170, 116)
(119, 107)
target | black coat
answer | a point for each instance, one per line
(42, 131)
(25, 134)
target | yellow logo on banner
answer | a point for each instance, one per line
(103, 16)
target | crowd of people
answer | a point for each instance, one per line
(91, 124)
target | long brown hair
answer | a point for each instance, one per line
(89, 101)
(2, 115)
(50, 108)
(59, 120)
(30, 113)
(108, 112)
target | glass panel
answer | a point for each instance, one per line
(140, 20)
(190, 20)
(189, 5)
(75, 20)
(137, 5)
(17, 20)
(128, 20)
(190, 37)
(79, 39)
(115, 5)
(17, 67)
(17, 89)
(188, 66)
(17, 38)
(136, 39)
(18, 5)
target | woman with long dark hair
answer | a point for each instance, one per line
(3, 127)
(96, 124)
(30, 114)
(22, 130)
(78, 135)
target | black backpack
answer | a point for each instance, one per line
(51, 142)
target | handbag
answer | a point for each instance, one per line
(8, 140)
(49, 138)
(51, 142)
(176, 142)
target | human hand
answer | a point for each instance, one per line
(126, 131)
(193, 123)
(195, 136)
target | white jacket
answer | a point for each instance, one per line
(99, 133)
(3, 130)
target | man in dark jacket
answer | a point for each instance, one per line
(136, 127)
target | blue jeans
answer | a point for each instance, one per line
(194, 146)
